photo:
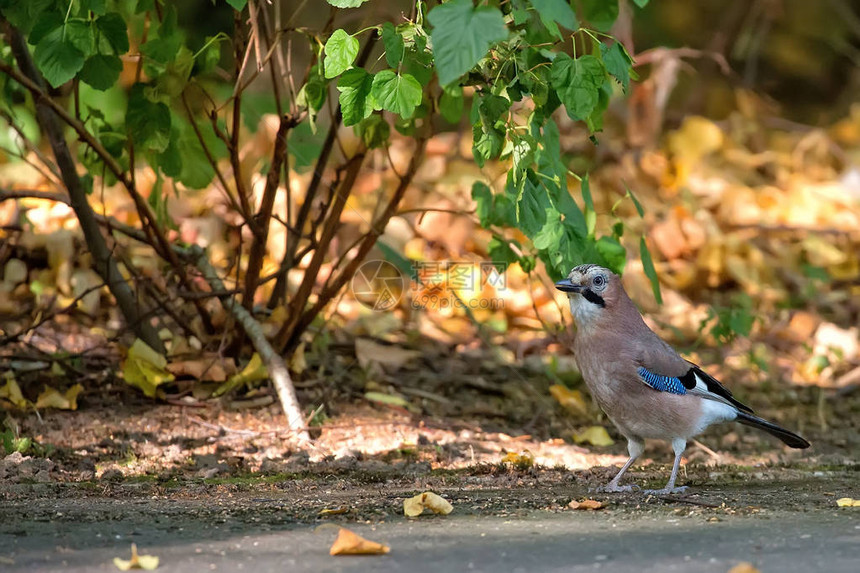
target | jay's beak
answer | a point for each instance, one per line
(567, 286)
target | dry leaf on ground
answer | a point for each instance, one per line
(253, 372)
(52, 398)
(349, 543)
(744, 567)
(522, 459)
(594, 435)
(586, 504)
(415, 506)
(390, 399)
(848, 502)
(570, 399)
(12, 392)
(334, 511)
(145, 368)
(148, 562)
(367, 351)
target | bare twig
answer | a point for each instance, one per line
(260, 223)
(278, 371)
(288, 338)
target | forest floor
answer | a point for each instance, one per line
(212, 487)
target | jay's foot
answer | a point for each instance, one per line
(615, 488)
(666, 490)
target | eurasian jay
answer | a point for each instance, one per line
(639, 381)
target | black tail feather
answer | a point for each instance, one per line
(790, 438)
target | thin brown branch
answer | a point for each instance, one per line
(289, 341)
(332, 222)
(8, 194)
(260, 222)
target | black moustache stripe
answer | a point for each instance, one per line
(593, 297)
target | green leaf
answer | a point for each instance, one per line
(393, 44)
(101, 71)
(165, 45)
(451, 104)
(313, 94)
(487, 143)
(97, 7)
(601, 13)
(80, 34)
(197, 172)
(399, 94)
(641, 3)
(346, 3)
(148, 123)
(115, 30)
(578, 83)
(482, 195)
(304, 145)
(47, 23)
(636, 202)
(23, 14)
(493, 108)
(650, 271)
(399, 260)
(238, 5)
(355, 101)
(170, 160)
(531, 203)
(341, 50)
(550, 235)
(374, 131)
(461, 36)
(595, 120)
(57, 58)
(613, 254)
(618, 63)
(590, 213)
(556, 11)
(501, 253)
(208, 56)
(419, 63)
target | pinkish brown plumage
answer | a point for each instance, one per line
(639, 381)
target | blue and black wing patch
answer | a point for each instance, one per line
(695, 381)
(669, 384)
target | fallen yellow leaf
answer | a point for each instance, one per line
(336, 511)
(744, 567)
(571, 400)
(145, 368)
(524, 459)
(415, 506)
(595, 435)
(349, 543)
(848, 502)
(253, 372)
(586, 504)
(51, 398)
(12, 392)
(148, 562)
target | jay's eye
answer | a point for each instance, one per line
(598, 281)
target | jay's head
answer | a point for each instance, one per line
(591, 290)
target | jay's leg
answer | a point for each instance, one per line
(634, 448)
(678, 445)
